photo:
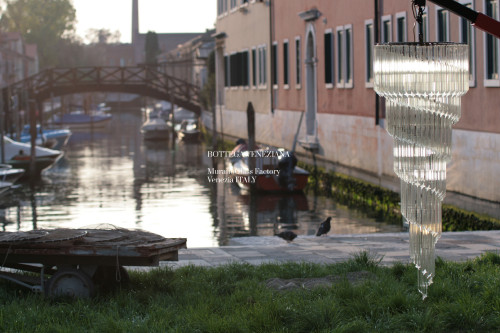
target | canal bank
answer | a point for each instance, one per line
(378, 196)
(388, 247)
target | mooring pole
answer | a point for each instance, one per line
(252, 214)
(32, 115)
(214, 125)
(174, 134)
(251, 126)
(251, 142)
(3, 107)
(40, 120)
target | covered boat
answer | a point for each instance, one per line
(155, 127)
(53, 138)
(275, 169)
(188, 130)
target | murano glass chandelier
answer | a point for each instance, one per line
(422, 84)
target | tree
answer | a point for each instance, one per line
(43, 22)
(103, 36)
(152, 49)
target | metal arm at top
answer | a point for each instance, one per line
(478, 20)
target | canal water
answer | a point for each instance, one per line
(114, 177)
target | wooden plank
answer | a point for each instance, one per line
(88, 246)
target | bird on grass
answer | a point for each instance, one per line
(324, 227)
(287, 235)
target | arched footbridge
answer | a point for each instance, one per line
(142, 80)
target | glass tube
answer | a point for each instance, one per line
(422, 85)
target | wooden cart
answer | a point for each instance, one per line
(71, 262)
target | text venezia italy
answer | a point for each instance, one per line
(248, 176)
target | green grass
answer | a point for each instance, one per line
(233, 298)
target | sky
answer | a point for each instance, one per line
(154, 15)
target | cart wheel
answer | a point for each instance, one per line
(109, 276)
(70, 282)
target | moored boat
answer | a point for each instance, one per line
(155, 128)
(83, 121)
(53, 138)
(275, 169)
(4, 187)
(17, 154)
(10, 174)
(189, 131)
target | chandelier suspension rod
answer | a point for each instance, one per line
(478, 20)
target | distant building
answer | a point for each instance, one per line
(112, 54)
(18, 60)
(313, 59)
(32, 67)
(131, 54)
(188, 61)
(166, 41)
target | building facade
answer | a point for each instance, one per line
(188, 61)
(18, 59)
(320, 82)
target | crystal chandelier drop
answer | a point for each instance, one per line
(422, 84)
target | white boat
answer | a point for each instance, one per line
(4, 187)
(10, 174)
(155, 128)
(17, 154)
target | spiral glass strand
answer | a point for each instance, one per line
(422, 85)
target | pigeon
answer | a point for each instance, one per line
(324, 227)
(287, 235)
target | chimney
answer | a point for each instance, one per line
(135, 21)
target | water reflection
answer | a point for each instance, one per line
(114, 177)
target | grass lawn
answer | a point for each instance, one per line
(234, 298)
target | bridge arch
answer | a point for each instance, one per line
(142, 80)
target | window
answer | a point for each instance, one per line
(274, 64)
(491, 48)
(401, 35)
(286, 79)
(442, 25)
(348, 66)
(226, 71)
(386, 29)
(254, 67)
(261, 50)
(344, 63)
(238, 69)
(221, 7)
(298, 62)
(234, 4)
(329, 58)
(467, 37)
(340, 56)
(369, 41)
(245, 69)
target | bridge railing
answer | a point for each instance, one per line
(143, 80)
